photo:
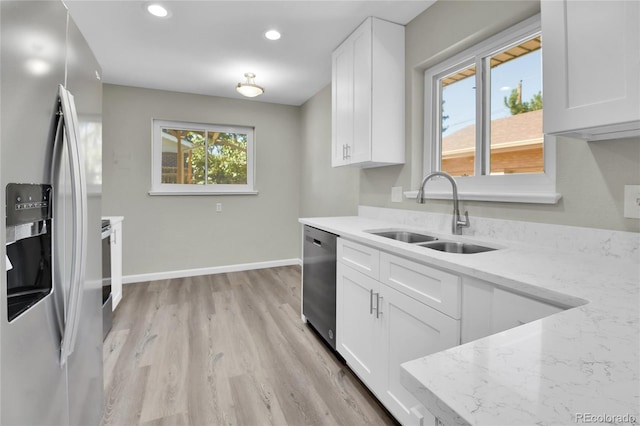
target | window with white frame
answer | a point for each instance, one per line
(483, 121)
(196, 158)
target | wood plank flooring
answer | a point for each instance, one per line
(226, 349)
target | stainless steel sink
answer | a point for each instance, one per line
(405, 236)
(456, 247)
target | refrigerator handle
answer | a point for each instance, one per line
(79, 203)
(60, 301)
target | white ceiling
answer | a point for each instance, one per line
(205, 47)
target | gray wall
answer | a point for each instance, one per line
(294, 174)
(325, 191)
(590, 176)
(168, 233)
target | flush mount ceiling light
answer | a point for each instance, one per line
(249, 88)
(157, 10)
(272, 35)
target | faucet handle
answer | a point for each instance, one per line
(464, 223)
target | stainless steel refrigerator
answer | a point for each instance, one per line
(50, 183)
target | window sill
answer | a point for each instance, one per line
(502, 197)
(154, 193)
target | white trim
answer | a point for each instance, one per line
(183, 192)
(154, 276)
(505, 197)
(159, 188)
(521, 188)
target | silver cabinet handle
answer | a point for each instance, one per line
(348, 151)
(371, 302)
(378, 302)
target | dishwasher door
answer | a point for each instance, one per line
(319, 282)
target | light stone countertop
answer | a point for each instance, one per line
(114, 219)
(581, 365)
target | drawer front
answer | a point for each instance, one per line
(433, 287)
(359, 257)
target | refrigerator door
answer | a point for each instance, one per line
(85, 373)
(32, 34)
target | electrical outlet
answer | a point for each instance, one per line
(218, 207)
(632, 201)
(396, 194)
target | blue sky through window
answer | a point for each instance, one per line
(459, 97)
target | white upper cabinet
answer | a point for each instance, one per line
(591, 64)
(368, 96)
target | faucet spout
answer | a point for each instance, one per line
(457, 222)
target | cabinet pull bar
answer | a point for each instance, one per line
(378, 301)
(371, 302)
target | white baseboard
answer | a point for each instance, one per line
(154, 276)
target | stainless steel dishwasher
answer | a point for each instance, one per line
(319, 282)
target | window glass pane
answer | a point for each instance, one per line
(183, 156)
(516, 109)
(227, 158)
(457, 116)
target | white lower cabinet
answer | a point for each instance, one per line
(391, 310)
(487, 309)
(512, 310)
(380, 327)
(410, 330)
(116, 263)
(357, 331)
(115, 242)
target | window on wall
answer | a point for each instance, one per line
(193, 158)
(483, 120)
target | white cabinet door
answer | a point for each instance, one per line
(487, 309)
(351, 67)
(411, 330)
(116, 263)
(359, 150)
(512, 310)
(342, 102)
(477, 309)
(591, 60)
(368, 96)
(357, 331)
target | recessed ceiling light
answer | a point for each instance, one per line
(272, 35)
(37, 66)
(157, 10)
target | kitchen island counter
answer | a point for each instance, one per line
(580, 365)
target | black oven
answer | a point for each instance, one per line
(106, 278)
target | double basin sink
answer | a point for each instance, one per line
(434, 243)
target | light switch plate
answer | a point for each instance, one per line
(632, 201)
(396, 194)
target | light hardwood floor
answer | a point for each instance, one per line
(227, 349)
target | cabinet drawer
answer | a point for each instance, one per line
(359, 257)
(431, 286)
